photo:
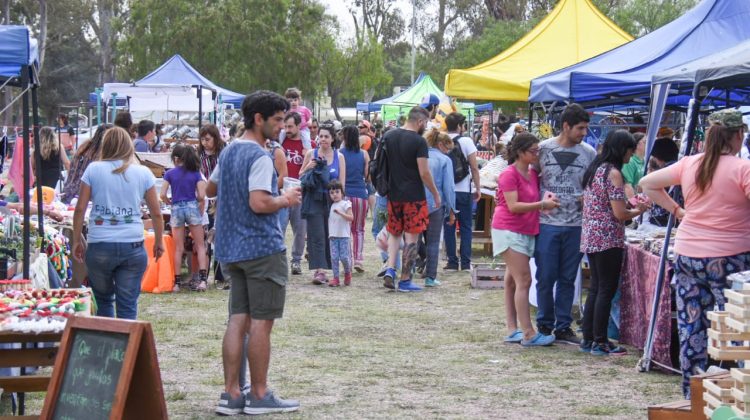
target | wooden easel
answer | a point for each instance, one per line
(138, 393)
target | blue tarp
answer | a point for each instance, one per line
(17, 49)
(627, 70)
(177, 71)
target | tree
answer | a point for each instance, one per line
(353, 70)
(104, 18)
(639, 17)
(271, 45)
(378, 18)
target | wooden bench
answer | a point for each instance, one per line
(27, 356)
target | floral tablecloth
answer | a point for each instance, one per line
(638, 284)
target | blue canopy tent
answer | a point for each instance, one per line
(623, 75)
(726, 72)
(19, 63)
(175, 72)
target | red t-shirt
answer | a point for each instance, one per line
(528, 192)
(295, 154)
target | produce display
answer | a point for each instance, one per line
(40, 310)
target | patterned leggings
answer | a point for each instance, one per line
(359, 210)
(340, 252)
(700, 284)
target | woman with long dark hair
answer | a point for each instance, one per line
(515, 225)
(86, 154)
(357, 161)
(715, 224)
(328, 164)
(603, 236)
(188, 203)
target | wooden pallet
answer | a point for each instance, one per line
(722, 338)
(692, 409)
(717, 392)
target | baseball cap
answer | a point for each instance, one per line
(430, 99)
(729, 118)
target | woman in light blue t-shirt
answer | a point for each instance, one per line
(113, 251)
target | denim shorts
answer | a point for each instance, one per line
(504, 239)
(185, 213)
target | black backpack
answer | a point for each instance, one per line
(379, 172)
(460, 163)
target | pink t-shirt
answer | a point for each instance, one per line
(306, 115)
(528, 192)
(717, 222)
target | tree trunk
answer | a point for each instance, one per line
(42, 31)
(107, 68)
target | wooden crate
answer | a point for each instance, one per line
(716, 393)
(487, 275)
(738, 297)
(721, 339)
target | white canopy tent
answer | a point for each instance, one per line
(150, 97)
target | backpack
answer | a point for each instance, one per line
(379, 172)
(460, 163)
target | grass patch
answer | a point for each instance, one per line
(361, 352)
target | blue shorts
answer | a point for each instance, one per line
(185, 213)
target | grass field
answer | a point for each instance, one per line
(363, 352)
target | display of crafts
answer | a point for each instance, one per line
(40, 310)
(650, 238)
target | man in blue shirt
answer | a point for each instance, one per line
(146, 134)
(250, 247)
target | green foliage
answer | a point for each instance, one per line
(496, 37)
(352, 71)
(241, 45)
(639, 17)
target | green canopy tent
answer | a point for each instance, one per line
(406, 100)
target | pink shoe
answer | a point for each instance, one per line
(319, 278)
(347, 279)
(334, 282)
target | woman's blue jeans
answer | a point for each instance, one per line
(115, 273)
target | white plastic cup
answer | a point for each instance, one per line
(291, 183)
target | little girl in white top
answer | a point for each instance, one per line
(339, 232)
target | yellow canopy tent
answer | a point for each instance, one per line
(575, 30)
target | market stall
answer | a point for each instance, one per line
(551, 45)
(623, 74)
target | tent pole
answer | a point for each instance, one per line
(38, 157)
(26, 176)
(645, 363)
(531, 115)
(98, 92)
(200, 106)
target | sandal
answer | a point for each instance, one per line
(194, 285)
(201, 286)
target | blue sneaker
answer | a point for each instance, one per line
(585, 346)
(430, 282)
(269, 404)
(515, 337)
(229, 406)
(539, 339)
(408, 286)
(388, 278)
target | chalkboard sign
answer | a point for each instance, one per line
(105, 369)
(91, 375)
